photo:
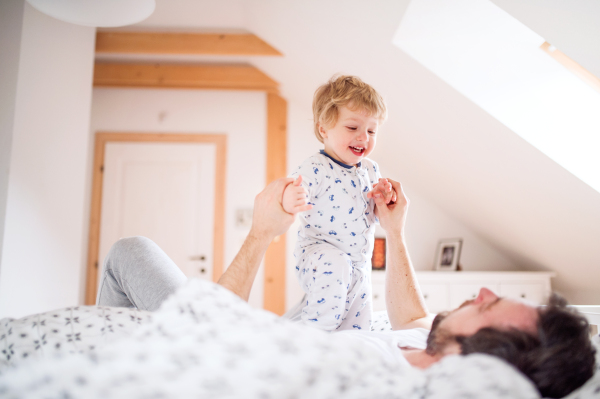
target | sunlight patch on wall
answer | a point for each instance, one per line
(496, 62)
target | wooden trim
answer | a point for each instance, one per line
(182, 43)
(93, 264)
(220, 140)
(183, 76)
(572, 66)
(275, 258)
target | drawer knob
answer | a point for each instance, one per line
(425, 296)
(523, 295)
(375, 296)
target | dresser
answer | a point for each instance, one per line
(448, 290)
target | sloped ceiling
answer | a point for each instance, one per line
(436, 140)
(570, 25)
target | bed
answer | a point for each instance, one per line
(592, 314)
(205, 342)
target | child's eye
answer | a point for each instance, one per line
(351, 127)
(372, 132)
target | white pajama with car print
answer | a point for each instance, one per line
(335, 243)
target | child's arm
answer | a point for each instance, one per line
(295, 198)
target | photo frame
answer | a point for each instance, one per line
(447, 256)
(378, 258)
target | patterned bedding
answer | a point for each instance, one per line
(205, 342)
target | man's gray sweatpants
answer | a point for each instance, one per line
(137, 273)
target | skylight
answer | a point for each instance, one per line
(498, 63)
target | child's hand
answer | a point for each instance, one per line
(384, 189)
(295, 198)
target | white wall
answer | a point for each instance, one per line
(43, 244)
(427, 224)
(241, 115)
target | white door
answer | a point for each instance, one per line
(164, 191)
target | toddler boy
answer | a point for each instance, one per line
(336, 185)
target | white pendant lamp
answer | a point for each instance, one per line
(99, 13)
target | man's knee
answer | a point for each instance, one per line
(126, 247)
(131, 244)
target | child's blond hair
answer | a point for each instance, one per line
(348, 91)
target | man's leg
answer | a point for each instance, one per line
(137, 273)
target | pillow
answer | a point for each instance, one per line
(591, 389)
(69, 330)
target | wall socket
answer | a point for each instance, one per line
(243, 218)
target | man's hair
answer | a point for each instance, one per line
(558, 361)
(348, 91)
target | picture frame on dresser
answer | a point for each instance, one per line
(448, 254)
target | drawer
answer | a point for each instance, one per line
(460, 293)
(532, 292)
(436, 297)
(379, 296)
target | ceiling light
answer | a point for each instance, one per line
(99, 13)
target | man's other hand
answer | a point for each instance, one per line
(383, 188)
(393, 216)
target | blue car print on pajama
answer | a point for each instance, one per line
(333, 252)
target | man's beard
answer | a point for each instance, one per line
(440, 338)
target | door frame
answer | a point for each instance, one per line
(101, 139)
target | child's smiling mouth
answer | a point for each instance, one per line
(358, 151)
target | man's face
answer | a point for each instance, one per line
(487, 310)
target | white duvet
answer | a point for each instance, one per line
(205, 342)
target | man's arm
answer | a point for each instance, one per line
(268, 221)
(405, 304)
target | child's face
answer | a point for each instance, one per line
(352, 138)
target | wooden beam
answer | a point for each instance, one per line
(218, 77)
(275, 258)
(182, 43)
(93, 263)
(220, 140)
(572, 66)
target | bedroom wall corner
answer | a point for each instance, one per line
(11, 24)
(43, 242)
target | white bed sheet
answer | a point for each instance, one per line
(205, 342)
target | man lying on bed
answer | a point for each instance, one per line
(549, 344)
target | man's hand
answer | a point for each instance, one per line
(384, 189)
(392, 216)
(269, 219)
(404, 301)
(295, 198)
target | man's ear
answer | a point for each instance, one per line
(322, 130)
